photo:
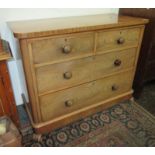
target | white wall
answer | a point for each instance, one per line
(15, 64)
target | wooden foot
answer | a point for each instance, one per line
(132, 99)
(37, 137)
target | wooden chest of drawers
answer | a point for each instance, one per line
(75, 69)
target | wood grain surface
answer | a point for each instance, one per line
(55, 26)
(51, 78)
(75, 66)
(53, 105)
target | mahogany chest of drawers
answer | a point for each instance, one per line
(76, 66)
(7, 101)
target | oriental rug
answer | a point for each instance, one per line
(126, 124)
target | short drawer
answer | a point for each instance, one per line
(60, 48)
(76, 98)
(117, 39)
(64, 75)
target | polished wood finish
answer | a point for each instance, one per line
(146, 64)
(73, 71)
(45, 127)
(54, 105)
(68, 25)
(28, 68)
(82, 70)
(7, 102)
(117, 39)
(53, 48)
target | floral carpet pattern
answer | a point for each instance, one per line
(125, 124)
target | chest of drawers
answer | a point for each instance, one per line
(78, 65)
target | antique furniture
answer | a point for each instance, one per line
(76, 66)
(7, 102)
(146, 64)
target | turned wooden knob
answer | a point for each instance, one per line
(114, 87)
(67, 75)
(117, 62)
(120, 40)
(69, 103)
(66, 49)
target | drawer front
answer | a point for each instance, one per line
(70, 100)
(117, 39)
(64, 75)
(62, 48)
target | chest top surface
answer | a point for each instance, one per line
(56, 26)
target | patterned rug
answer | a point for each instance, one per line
(125, 124)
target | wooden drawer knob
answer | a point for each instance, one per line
(66, 49)
(117, 62)
(69, 103)
(120, 40)
(114, 87)
(67, 75)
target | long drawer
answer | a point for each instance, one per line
(60, 48)
(63, 75)
(70, 100)
(117, 39)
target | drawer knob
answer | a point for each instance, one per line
(67, 75)
(69, 103)
(117, 62)
(66, 49)
(114, 87)
(120, 40)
